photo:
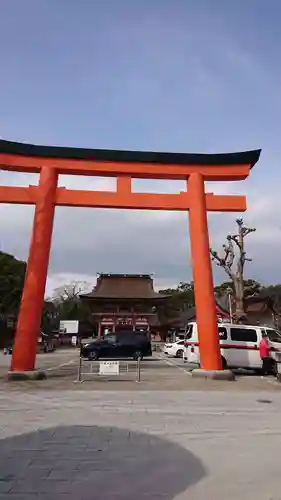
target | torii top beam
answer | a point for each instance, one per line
(21, 157)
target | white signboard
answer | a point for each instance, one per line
(69, 327)
(109, 368)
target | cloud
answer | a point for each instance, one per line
(191, 79)
(87, 241)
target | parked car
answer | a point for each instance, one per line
(239, 345)
(122, 344)
(48, 347)
(174, 349)
(8, 349)
(180, 336)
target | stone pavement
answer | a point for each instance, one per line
(146, 445)
(157, 374)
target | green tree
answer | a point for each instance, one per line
(12, 274)
(273, 292)
(50, 317)
(182, 296)
(180, 299)
(251, 287)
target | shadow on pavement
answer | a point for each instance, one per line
(87, 463)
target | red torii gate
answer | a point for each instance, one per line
(50, 162)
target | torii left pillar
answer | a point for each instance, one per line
(29, 320)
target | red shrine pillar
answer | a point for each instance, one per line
(29, 320)
(210, 357)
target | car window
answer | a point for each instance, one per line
(110, 338)
(222, 333)
(273, 335)
(243, 334)
(124, 332)
(123, 336)
(130, 339)
(128, 336)
(188, 333)
(180, 336)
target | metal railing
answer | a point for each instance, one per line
(108, 369)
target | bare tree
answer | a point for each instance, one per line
(70, 291)
(66, 301)
(234, 263)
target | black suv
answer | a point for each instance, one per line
(122, 344)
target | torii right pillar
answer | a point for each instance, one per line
(208, 337)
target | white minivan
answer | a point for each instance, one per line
(239, 345)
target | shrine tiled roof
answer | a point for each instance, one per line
(190, 315)
(124, 286)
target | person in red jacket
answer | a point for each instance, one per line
(265, 355)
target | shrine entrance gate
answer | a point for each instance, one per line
(50, 162)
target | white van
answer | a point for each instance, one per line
(239, 345)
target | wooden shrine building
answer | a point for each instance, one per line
(127, 301)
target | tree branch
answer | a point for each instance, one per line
(233, 263)
(226, 262)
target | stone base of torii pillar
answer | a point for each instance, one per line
(28, 375)
(213, 374)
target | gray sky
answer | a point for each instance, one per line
(194, 76)
(87, 241)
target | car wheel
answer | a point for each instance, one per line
(138, 355)
(258, 371)
(179, 353)
(93, 356)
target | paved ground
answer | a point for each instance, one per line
(147, 445)
(167, 437)
(156, 374)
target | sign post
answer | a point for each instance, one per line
(79, 368)
(138, 370)
(109, 368)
